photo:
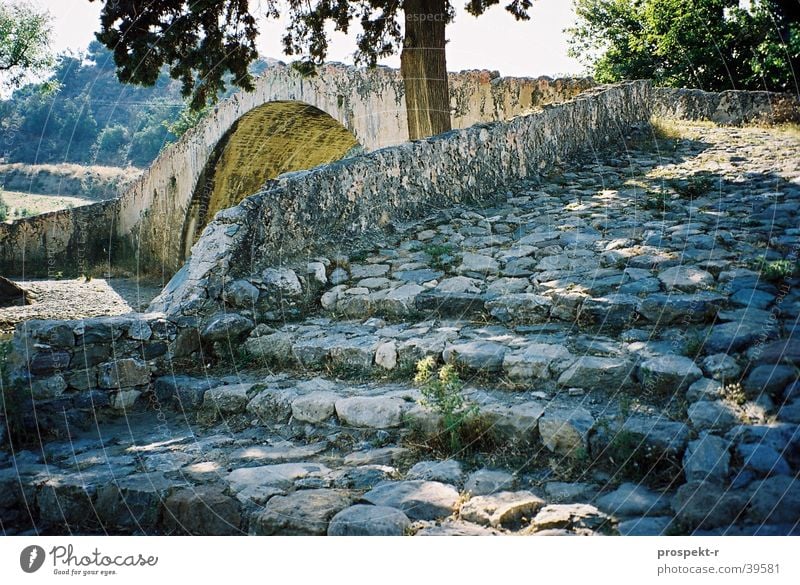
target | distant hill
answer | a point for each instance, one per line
(81, 114)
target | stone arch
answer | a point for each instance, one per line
(273, 138)
(146, 226)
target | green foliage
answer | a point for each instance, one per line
(695, 186)
(710, 44)
(439, 253)
(187, 119)
(778, 270)
(111, 146)
(694, 345)
(200, 43)
(83, 114)
(628, 453)
(3, 208)
(735, 393)
(24, 43)
(441, 391)
(656, 201)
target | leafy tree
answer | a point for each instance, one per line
(186, 120)
(82, 114)
(711, 44)
(3, 208)
(24, 42)
(201, 41)
(111, 146)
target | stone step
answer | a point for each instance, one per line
(197, 480)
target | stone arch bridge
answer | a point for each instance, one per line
(288, 123)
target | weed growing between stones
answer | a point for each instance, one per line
(778, 270)
(694, 345)
(404, 370)
(347, 371)
(694, 186)
(666, 130)
(656, 201)
(734, 393)
(441, 391)
(630, 458)
(440, 254)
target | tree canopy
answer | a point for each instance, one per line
(709, 44)
(202, 41)
(81, 113)
(24, 43)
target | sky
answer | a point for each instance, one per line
(494, 41)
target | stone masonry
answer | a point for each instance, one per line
(622, 321)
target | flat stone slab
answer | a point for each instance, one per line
(224, 400)
(520, 307)
(502, 509)
(775, 500)
(489, 481)
(685, 278)
(569, 517)
(418, 499)
(566, 430)
(707, 505)
(483, 356)
(375, 412)
(632, 499)
(278, 453)
(646, 526)
(713, 415)
(668, 374)
(453, 528)
(707, 459)
(537, 361)
(281, 475)
(364, 520)
(698, 307)
(304, 512)
(592, 372)
(203, 510)
(448, 471)
(382, 456)
(315, 407)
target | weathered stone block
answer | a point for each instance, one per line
(123, 373)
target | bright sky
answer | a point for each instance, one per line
(494, 41)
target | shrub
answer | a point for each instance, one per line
(441, 391)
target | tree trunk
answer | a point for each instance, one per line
(423, 67)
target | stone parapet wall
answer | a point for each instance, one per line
(75, 367)
(69, 241)
(251, 266)
(731, 108)
(300, 214)
(147, 226)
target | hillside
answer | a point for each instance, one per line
(82, 114)
(32, 189)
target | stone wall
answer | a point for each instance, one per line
(89, 365)
(733, 108)
(300, 214)
(250, 265)
(68, 241)
(151, 216)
